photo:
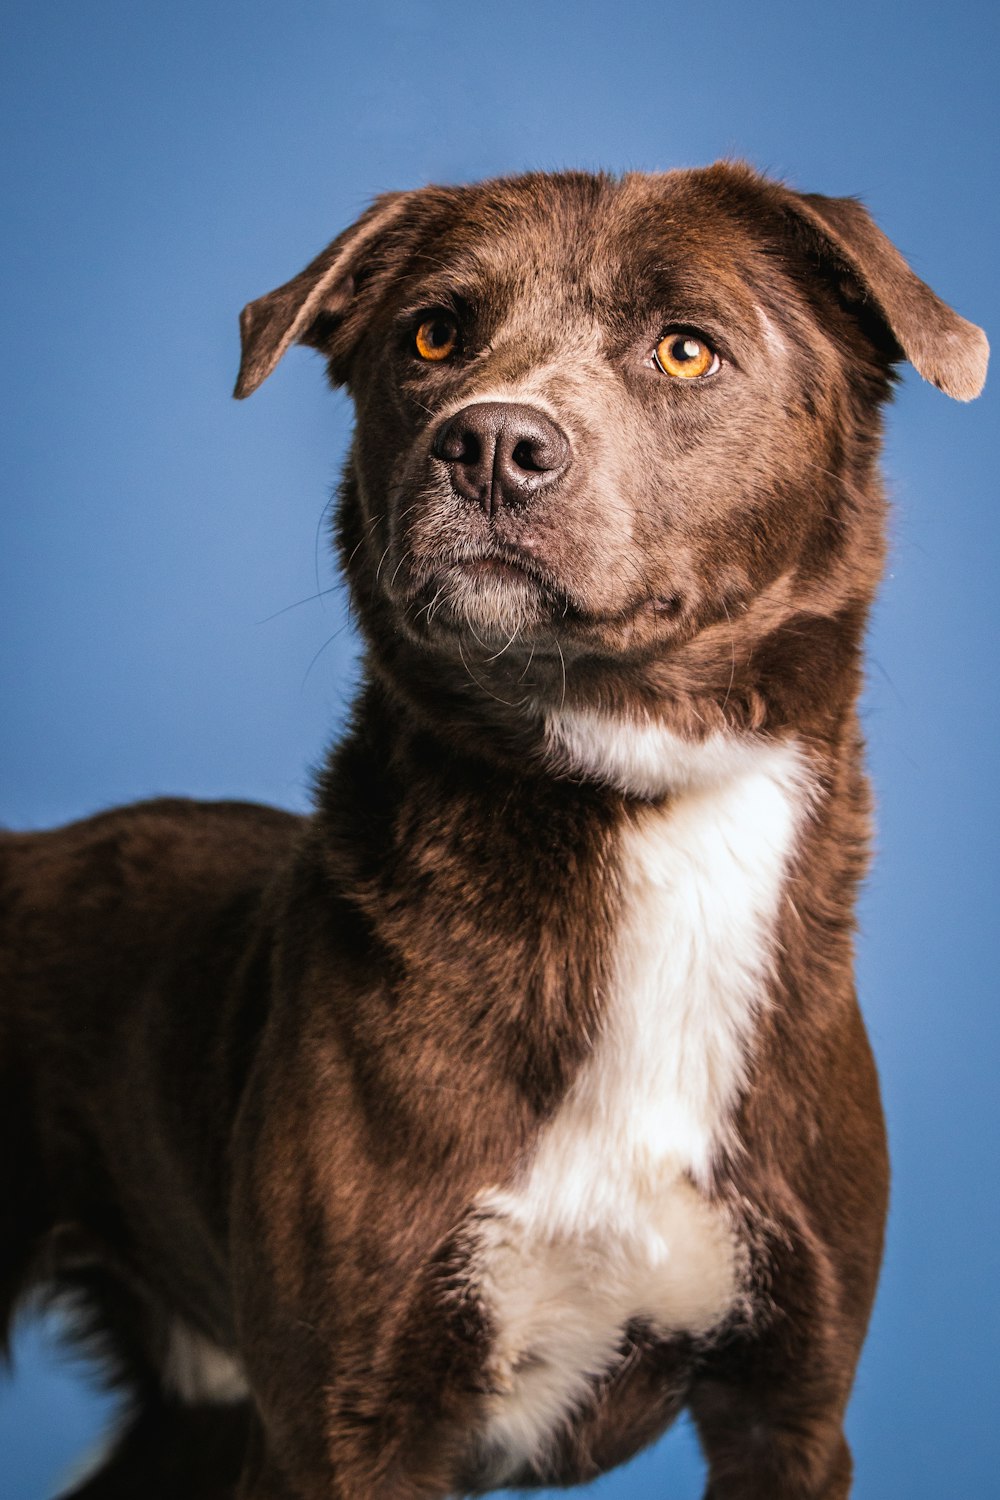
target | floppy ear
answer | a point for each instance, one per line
(314, 300)
(947, 350)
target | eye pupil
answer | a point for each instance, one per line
(436, 338)
(686, 349)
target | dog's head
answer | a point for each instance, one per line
(616, 439)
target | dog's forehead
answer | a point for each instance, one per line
(587, 240)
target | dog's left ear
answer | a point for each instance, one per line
(946, 349)
(313, 307)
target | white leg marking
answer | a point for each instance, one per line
(198, 1370)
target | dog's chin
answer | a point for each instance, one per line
(490, 602)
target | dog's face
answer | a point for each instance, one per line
(612, 421)
(570, 387)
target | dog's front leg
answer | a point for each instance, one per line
(267, 1482)
(769, 1403)
(362, 1354)
(381, 1418)
(338, 1448)
(368, 1464)
(772, 1450)
(774, 1465)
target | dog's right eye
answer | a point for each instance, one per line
(685, 355)
(436, 338)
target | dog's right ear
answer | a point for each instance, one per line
(310, 308)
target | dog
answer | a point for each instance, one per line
(462, 1134)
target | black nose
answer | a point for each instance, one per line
(501, 454)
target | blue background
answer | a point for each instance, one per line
(170, 161)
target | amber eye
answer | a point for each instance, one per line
(437, 337)
(685, 356)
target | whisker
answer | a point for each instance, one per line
(732, 644)
(319, 525)
(354, 550)
(498, 654)
(309, 599)
(381, 560)
(482, 686)
(405, 558)
(328, 642)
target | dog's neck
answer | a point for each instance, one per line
(649, 726)
(473, 869)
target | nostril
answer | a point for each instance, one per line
(537, 448)
(458, 445)
(525, 457)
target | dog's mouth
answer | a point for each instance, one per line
(502, 595)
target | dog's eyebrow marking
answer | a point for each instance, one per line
(771, 332)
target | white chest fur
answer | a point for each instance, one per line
(611, 1221)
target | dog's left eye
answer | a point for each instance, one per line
(686, 356)
(437, 337)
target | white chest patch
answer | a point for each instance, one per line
(611, 1221)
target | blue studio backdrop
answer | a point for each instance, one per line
(167, 162)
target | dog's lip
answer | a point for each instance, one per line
(492, 565)
(500, 562)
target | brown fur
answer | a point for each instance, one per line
(257, 1068)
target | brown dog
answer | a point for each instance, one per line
(460, 1135)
